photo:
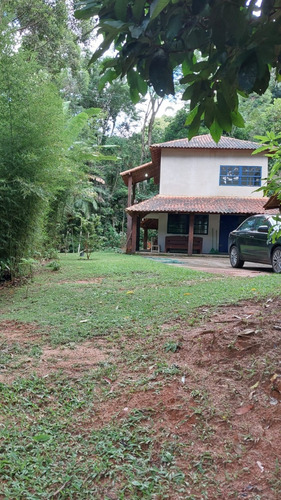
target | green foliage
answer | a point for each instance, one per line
(54, 265)
(114, 101)
(47, 31)
(89, 237)
(223, 48)
(172, 346)
(271, 145)
(31, 131)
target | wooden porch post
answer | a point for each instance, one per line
(190, 234)
(134, 233)
(145, 234)
(129, 218)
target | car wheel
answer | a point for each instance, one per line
(235, 260)
(276, 260)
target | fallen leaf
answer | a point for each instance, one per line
(42, 438)
(247, 332)
(84, 320)
(244, 409)
(274, 377)
(260, 466)
(255, 385)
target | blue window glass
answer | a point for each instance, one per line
(239, 175)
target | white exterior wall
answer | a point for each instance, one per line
(196, 173)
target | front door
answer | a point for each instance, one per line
(228, 223)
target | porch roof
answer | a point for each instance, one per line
(142, 173)
(203, 205)
(273, 202)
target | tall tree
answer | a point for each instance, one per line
(114, 100)
(47, 30)
(152, 108)
(223, 47)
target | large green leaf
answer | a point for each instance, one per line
(195, 124)
(137, 85)
(120, 9)
(107, 77)
(248, 73)
(198, 6)
(157, 6)
(209, 113)
(102, 48)
(216, 131)
(174, 26)
(191, 115)
(237, 119)
(161, 74)
(111, 25)
(137, 9)
(87, 9)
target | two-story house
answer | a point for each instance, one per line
(205, 190)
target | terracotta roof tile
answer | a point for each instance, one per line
(211, 205)
(206, 142)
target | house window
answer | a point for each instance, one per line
(178, 223)
(232, 175)
(201, 223)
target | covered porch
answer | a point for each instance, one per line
(189, 225)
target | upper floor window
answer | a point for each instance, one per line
(233, 175)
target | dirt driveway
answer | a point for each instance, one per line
(213, 264)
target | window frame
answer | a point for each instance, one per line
(242, 175)
(205, 224)
(185, 226)
(171, 224)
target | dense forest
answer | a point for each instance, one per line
(65, 136)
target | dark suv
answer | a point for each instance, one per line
(249, 242)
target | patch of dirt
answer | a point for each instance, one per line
(89, 281)
(224, 406)
(14, 331)
(72, 362)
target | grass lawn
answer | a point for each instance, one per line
(123, 377)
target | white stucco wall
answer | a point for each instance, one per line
(196, 173)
